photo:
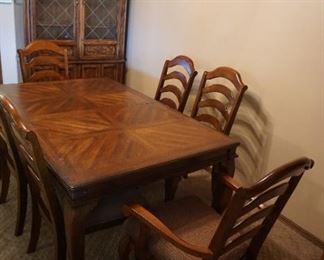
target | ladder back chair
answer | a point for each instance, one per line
(43, 60)
(44, 201)
(226, 103)
(183, 77)
(172, 233)
(10, 164)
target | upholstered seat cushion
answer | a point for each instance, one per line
(189, 218)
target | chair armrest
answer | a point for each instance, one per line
(148, 219)
(231, 183)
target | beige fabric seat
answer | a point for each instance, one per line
(197, 227)
(187, 228)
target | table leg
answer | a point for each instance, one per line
(221, 193)
(170, 187)
(75, 229)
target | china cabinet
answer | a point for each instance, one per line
(93, 31)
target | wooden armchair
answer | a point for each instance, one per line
(181, 93)
(43, 60)
(189, 229)
(226, 103)
(45, 198)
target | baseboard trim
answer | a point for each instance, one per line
(309, 236)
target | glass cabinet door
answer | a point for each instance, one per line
(100, 19)
(54, 20)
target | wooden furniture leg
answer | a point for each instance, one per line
(35, 228)
(4, 174)
(222, 194)
(21, 205)
(171, 186)
(75, 226)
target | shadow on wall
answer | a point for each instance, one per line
(253, 128)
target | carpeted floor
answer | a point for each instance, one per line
(283, 242)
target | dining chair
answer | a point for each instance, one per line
(10, 165)
(189, 229)
(176, 79)
(221, 98)
(46, 198)
(218, 99)
(43, 60)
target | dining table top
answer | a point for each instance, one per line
(98, 133)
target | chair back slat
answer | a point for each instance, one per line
(178, 76)
(241, 239)
(214, 103)
(269, 194)
(51, 61)
(183, 61)
(169, 102)
(250, 220)
(168, 84)
(43, 60)
(211, 94)
(209, 119)
(45, 75)
(244, 220)
(174, 90)
(219, 88)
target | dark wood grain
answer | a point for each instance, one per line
(99, 137)
(89, 128)
(240, 223)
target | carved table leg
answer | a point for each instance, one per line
(171, 186)
(75, 219)
(221, 193)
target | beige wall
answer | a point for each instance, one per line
(11, 38)
(278, 48)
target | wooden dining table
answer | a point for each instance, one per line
(99, 137)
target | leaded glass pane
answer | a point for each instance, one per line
(54, 19)
(101, 19)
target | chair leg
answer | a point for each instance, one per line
(170, 187)
(35, 228)
(22, 194)
(124, 248)
(5, 181)
(60, 246)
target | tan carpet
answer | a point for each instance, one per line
(282, 244)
